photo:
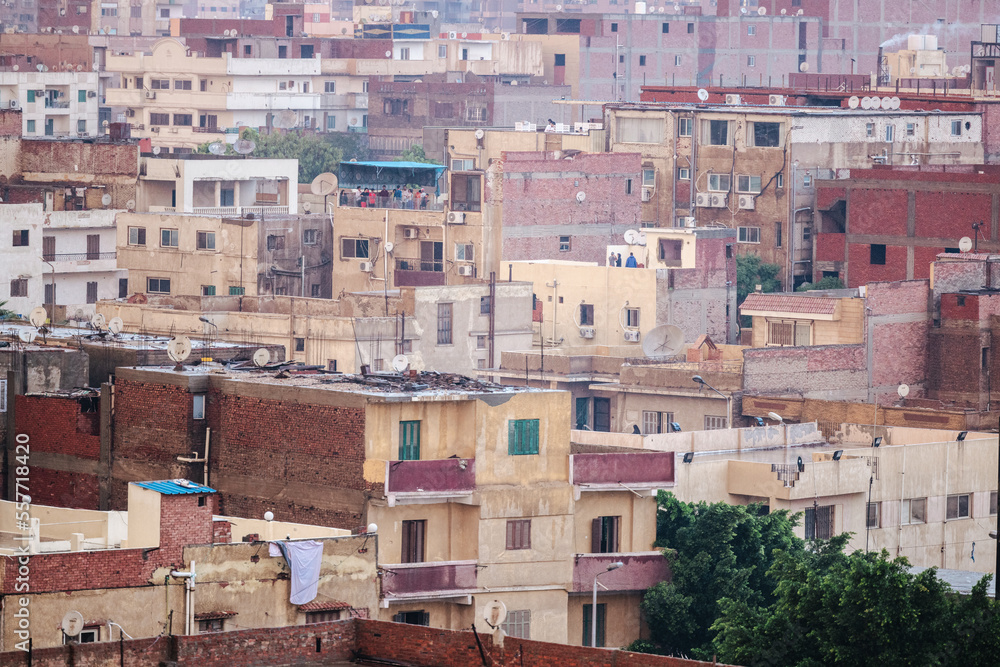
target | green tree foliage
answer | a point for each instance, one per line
(750, 272)
(316, 153)
(829, 282)
(415, 153)
(5, 313)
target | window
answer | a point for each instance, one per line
(159, 84)
(889, 129)
(656, 422)
(20, 237)
(956, 128)
(81, 126)
(715, 423)
(310, 236)
(409, 441)
(749, 184)
(463, 164)
(719, 182)
(642, 61)
(475, 114)
(88, 635)
(564, 244)
(665, 28)
(751, 30)
(314, 291)
(419, 617)
(282, 85)
(914, 511)
(412, 550)
(677, 61)
(684, 174)
(789, 332)
(207, 625)
(690, 28)
(751, 61)
(715, 132)
(444, 324)
(31, 124)
(522, 437)
(484, 305)
(648, 178)
(275, 242)
(877, 254)
(604, 534)
(465, 192)
(518, 534)
(81, 96)
(586, 314)
(684, 126)
(874, 516)
(442, 50)
(91, 292)
(322, 616)
(819, 523)
(779, 180)
(465, 252)
(354, 248)
(404, 53)
(480, 342)
(431, 257)
(331, 122)
(669, 251)
(588, 617)
(182, 84)
(169, 238)
(765, 135)
(870, 129)
(159, 119)
(777, 233)
(206, 241)
(208, 290)
(993, 503)
(158, 285)
(518, 624)
(235, 290)
(198, 406)
(639, 130)
(614, 27)
(958, 506)
(807, 180)
(19, 287)
(912, 130)
(632, 318)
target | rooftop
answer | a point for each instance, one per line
(175, 487)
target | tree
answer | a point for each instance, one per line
(316, 153)
(750, 272)
(827, 282)
(5, 313)
(415, 153)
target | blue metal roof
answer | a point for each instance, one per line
(175, 487)
(396, 165)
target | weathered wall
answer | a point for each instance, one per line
(827, 371)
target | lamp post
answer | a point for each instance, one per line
(593, 605)
(729, 399)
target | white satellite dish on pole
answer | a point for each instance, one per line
(631, 237)
(116, 325)
(494, 613)
(965, 244)
(72, 623)
(97, 321)
(106, 199)
(27, 335)
(179, 349)
(400, 363)
(903, 390)
(37, 317)
(217, 148)
(324, 184)
(261, 358)
(244, 146)
(854, 102)
(581, 196)
(702, 94)
(665, 340)
(285, 119)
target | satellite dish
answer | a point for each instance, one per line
(27, 335)
(130, 204)
(776, 417)
(285, 119)
(895, 102)
(97, 321)
(580, 196)
(244, 146)
(261, 358)
(784, 11)
(876, 102)
(495, 613)
(854, 102)
(116, 325)
(400, 363)
(665, 340)
(307, 206)
(965, 244)
(106, 199)
(389, 245)
(324, 184)
(16, 68)
(156, 150)
(762, 10)
(179, 349)
(480, 134)
(903, 390)
(40, 67)
(631, 237)
(37, 317)
(804, 67)
(434, 13)
(799, 13)
(866, 102)
(72, 622)
(76, 30)
(702, 94)
(388, 54)
(216, 148)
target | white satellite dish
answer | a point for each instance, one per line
(804, 67)
(580, 196)
(179, 349)
(116, 325)
(876, 102)
(76, 30)
(27, 335)
(106, 199)
(631, 237)
(784, 11)
(97, 321)
(216, 148)
(776, 417)
(388, 54)
(762, 10)
(895, 103)
(965, 244)
(665, 340)
(799, 13)
(903, 390)
(480, 134)
(285, 119)
(400, 363)
(854, 102)
(702, 94)
(866, 102)
(37, 317)
(324, 184)
(494, 613)
(389, 245)
(156, 150)
(307, 206)
(130, 204)
(261, 358)
(244, 146)
(72, 622)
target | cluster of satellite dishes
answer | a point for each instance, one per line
(873, 103)
(634, 237)
(957, 70)
(114, 326)
(763, 10)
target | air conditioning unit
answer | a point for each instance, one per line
(776, 100)
(702, 200)
(505, 36)
(688, 221)
(150, 94)
(456, 218)
(453, 35)
(632, 336)
(718, 201)
(173, 130)
(647, 194)
(13, 104)
(746, 202)
(586, 332)
(733, 99)
(91, 94)
(366, 267)
(411, 233)
(465, 270)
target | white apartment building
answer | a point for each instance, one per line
(52, 104)
(21, 248)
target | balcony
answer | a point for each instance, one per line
(429, 581)
(240, 211)
(638, 472)
(640, 570)
(82, 262)
(784, 481)
(439, 480)
(275, 101)
(411, 272)
(55, 104)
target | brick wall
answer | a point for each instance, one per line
(62, 488)
(10, 123)
(64, 156)
(824, 371)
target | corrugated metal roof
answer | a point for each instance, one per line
(175, 487)
(788, 303)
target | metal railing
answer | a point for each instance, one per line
(78, 256)
(412, 264)
(52, 104)
(240, 210)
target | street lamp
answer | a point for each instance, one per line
(593, 606)
(729, 399)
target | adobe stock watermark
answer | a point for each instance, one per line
(22, 519)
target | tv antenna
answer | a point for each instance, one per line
(665, 340)
(581, 196)
(179, 349)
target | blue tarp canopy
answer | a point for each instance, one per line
(390, 174)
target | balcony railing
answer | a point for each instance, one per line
(240, 211)
(429, 580)
(640, 570)
(79, 256)
(429, 480)
(53, 104)
(626, 471)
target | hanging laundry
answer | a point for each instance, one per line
(304, 560)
